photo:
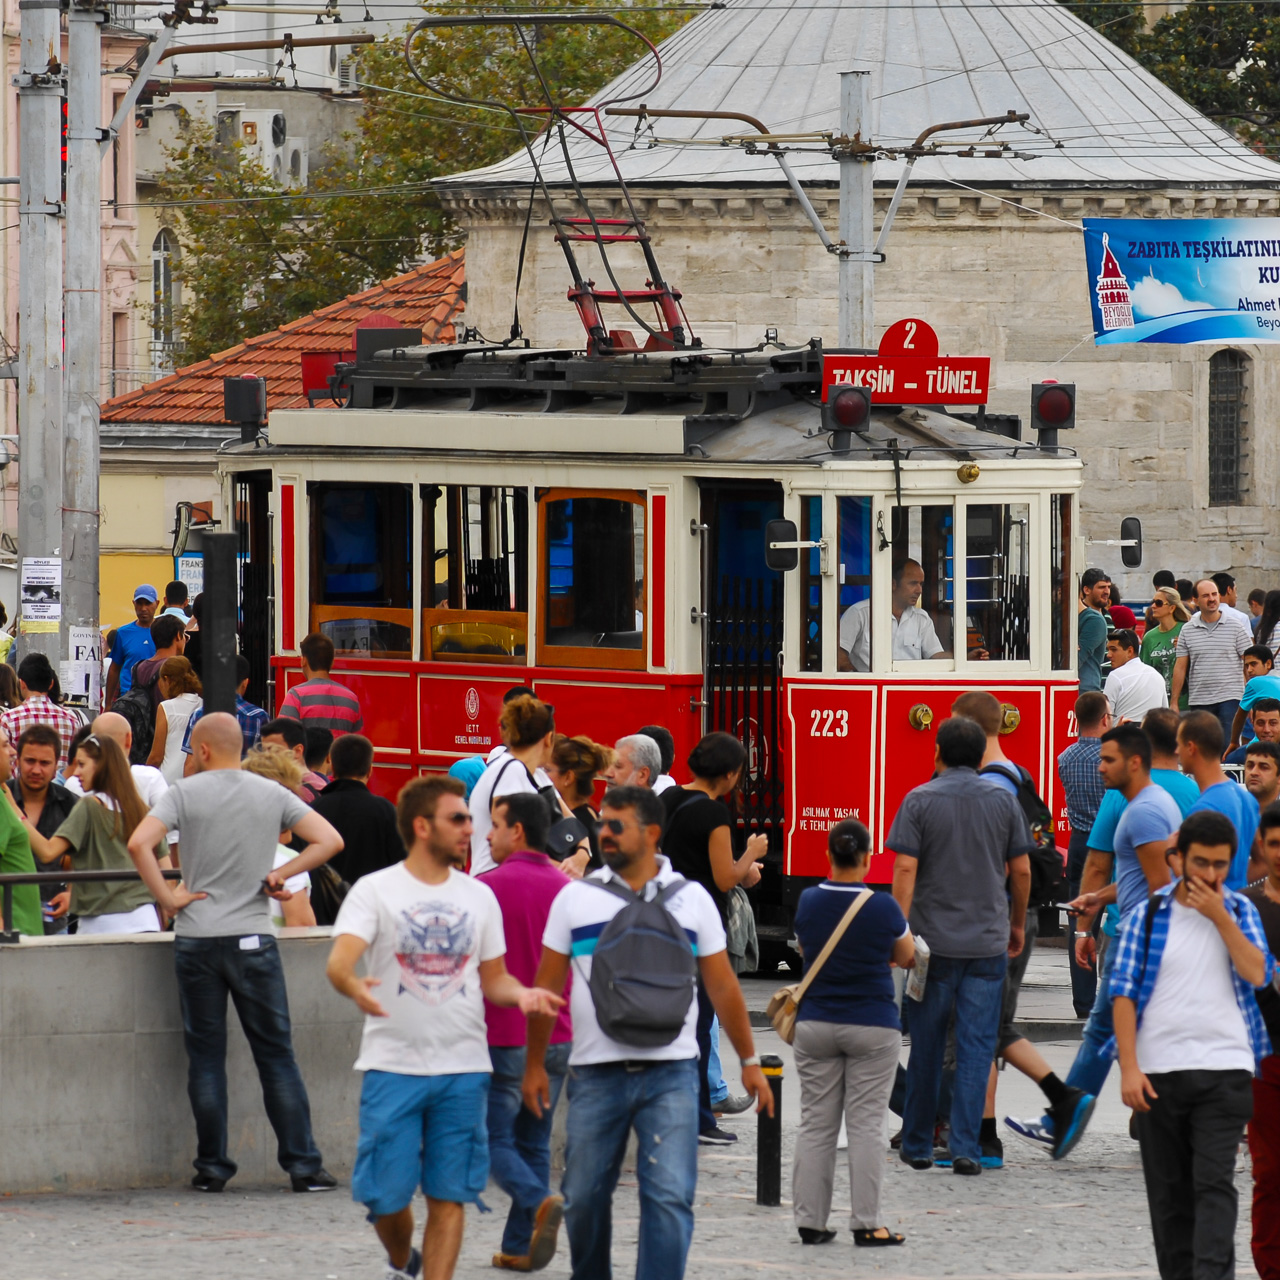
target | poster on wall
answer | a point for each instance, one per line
(81, 674)
(40, 588)
(1184, 280)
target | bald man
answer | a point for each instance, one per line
(149, 781)
(224, 946)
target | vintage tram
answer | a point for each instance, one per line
(479, 516)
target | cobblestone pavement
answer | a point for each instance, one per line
(1083, 1217)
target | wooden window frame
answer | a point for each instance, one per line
(552, 655)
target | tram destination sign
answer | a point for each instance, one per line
(907, 369)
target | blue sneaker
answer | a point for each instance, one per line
(1036, 1133)
(1070, 1119)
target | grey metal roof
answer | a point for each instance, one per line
(931, 61)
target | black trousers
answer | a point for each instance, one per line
(706, 1014)
(1189, 1140)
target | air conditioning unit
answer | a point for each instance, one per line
(295, 170)
(347, 76)
(264, 136)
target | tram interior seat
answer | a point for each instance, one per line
(486, 639)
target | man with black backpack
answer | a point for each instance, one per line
(637, 935)
(1047, 876)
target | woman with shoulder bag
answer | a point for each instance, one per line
(528, 728)
(574, 766)
(847, 1038)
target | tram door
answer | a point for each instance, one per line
(743, 602)
(251, 496)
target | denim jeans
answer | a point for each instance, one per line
(520, 1142)
(1084, 981)
(1090, 1069)
(974, 989)
(715, 1069)
(208, 969)
(1225, 711)
(660, 1101)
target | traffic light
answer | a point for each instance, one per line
(1053, 408)
(847, 409)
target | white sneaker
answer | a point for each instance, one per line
(1036, 1133)
(411, 1270)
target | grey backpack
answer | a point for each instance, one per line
(644, 975)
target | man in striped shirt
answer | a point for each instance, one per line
(1209, 650)
(320, 702)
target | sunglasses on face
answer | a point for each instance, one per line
(616, 825)
(458, 819)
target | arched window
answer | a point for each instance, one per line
(164, 300)
(1228, 427)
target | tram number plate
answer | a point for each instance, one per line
(828, 723)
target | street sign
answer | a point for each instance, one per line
(908, 370)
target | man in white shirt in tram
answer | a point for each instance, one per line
(914, 635)
(1132, 688)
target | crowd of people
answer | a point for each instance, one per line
(512, 942)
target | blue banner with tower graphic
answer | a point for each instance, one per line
(1184, 280)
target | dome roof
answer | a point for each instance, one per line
(930, 61)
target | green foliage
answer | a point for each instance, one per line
(1221, 58)
(253, 259)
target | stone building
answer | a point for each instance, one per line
(988, 250)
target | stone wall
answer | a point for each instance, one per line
(93, 1074)
(997, 273)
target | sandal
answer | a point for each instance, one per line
(870, 1237)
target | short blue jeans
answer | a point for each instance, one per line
(1091, 1067)
(421, 1131)
(974, 989)
(519, 1141)
(659, 1101)
(208, 970)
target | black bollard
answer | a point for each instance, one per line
(222, 604)
(769, 1137)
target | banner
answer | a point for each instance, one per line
(1184, 280)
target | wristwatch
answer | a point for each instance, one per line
(753, 1061)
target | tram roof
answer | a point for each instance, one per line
(785, 431)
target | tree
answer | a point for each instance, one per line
(255, 258)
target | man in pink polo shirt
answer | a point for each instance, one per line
(525, 885)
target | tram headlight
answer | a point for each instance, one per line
(847, 409)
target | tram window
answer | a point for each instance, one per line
(923, 600)
(1062, 582)
(811, 583)
(854, 584)
(475, 595)
(997, 581)
(362, 567)
(592, 582)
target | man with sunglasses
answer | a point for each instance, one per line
(617, 1087)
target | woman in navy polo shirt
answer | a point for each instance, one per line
(848, 1038)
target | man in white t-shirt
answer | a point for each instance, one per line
(1188, 1034)
(1132, 688)
(432, 941)
(617, 1087)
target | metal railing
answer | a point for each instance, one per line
(10, 880)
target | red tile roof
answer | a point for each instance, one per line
(429, 297)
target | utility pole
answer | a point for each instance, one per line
(83, 316)
(40, 303)
(857, 214)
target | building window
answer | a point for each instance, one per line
(1228, 422)
(164, 301)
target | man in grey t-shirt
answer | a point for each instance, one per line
(231, 822)
(957, 843)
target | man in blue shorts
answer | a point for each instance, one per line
(432, 940)
(1147, 822)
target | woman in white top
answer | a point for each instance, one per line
(528, 730)
(180, 692)
(268, 760)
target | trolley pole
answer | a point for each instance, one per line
(83, 315)
(40, 304)
(857, 215)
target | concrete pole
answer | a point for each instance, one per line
(40, 302)
(857, 216)
(83, 316)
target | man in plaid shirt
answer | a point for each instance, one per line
(35, 675)
(1188, 1035)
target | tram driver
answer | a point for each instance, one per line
(914, 635)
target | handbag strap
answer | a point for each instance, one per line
(836, 934)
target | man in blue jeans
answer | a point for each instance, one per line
(615, 1087)
(230, 822)
(956, 841)
(1146, 826)
(525, 884)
